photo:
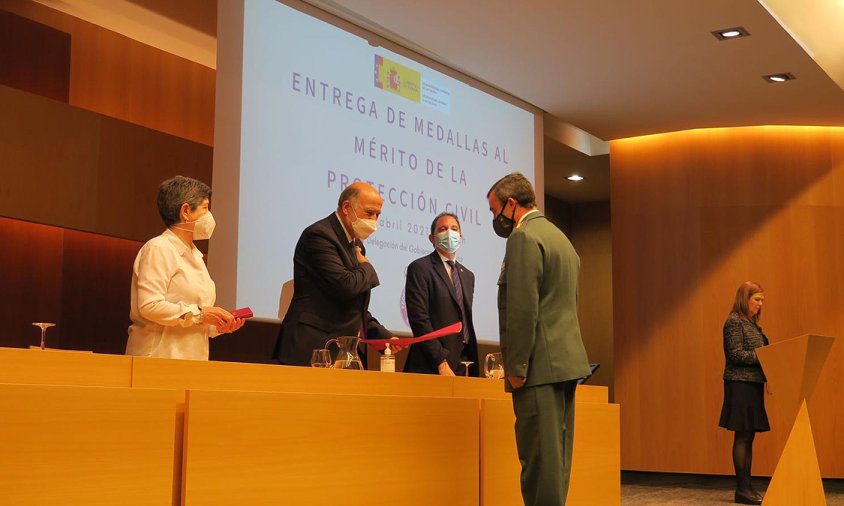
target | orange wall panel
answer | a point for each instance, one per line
(694, 214)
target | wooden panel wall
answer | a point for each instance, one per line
(30, 281)
(592, 238)
(114, 75)
(34, 57)
(587, 225)
(66, 166)
(77, 280)
(694, 214)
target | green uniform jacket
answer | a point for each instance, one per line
(537, 305)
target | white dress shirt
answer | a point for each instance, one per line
(170, 284)
(445, 261)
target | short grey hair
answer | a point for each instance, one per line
(177, 191)
(514, 186)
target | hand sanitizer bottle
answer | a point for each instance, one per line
(388, 361)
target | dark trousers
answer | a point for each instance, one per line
(544, 439)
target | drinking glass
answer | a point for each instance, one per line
(466, 364)
(494, 366)
(44, 327)
(321, 358)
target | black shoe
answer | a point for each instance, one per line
(743, 499)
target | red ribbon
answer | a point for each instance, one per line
(379, 344)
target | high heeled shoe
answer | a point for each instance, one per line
(740, 498)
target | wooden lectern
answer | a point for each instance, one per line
(792, 368)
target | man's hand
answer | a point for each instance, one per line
(444, 369)
(394, 348)
(516, 381)
(361, 259)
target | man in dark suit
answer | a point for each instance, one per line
(438, 292)
(540, 337)
(332, 279)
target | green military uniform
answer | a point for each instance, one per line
(540, 341)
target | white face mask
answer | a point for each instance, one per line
(363, 228)
(203, 227)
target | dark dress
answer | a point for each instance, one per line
(744, 380)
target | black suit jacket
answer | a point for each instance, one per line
(432, 304)
(330, 294)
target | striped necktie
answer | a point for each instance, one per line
(458, 290)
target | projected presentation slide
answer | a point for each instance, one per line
(322, 108)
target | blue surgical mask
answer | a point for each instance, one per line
(449, 240)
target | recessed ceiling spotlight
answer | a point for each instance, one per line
(731, 33)
(779, 78)
(575, 177)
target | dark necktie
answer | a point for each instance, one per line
(458, 290)
(352, 251)
(354, 254)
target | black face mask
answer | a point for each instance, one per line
(503, 225)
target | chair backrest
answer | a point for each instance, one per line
(285, 298)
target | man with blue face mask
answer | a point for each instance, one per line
(438, 292)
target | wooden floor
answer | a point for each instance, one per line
(641, 489)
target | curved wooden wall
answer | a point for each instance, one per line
(694, 214)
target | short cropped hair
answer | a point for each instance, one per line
(515, 186)
(177, 191)
(434, 223)
(740, 305)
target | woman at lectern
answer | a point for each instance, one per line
(743, 411)
(172, 295)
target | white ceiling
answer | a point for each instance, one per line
(614, 68)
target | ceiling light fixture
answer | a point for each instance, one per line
(779, 78)
(731, 33)
(575, 177)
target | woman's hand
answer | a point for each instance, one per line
(236, 324)
(217, 317)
